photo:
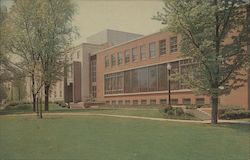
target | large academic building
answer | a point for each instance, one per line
(121, 68)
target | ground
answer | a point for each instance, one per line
(113, 138)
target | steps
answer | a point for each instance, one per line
(198, 113)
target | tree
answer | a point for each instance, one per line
(23, 43)
(56, 32)
(214, 35)
(41, 31)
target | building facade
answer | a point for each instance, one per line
(135, 73)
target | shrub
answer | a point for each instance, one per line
(235, 114)
(177, 111)
(224, 109)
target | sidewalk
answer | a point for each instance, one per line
(132, 117)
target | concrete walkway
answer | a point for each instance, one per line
(131, 117)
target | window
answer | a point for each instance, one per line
(162, 77)
(93, 70)
(152, 78)
(162, 47)
(120, 102)
(143, 102)
(60, 93)
(152, 50)
(119, 58)
(174, 75)
(135, 80)
(70, 71)
(134, 54)
(186, 101)
(113, 60)
(78, 54)
(55, 94)
(143, 52)
(152, 101)
(127, 102)
(200, 101)
(143, 79)
(113, 102)
(163, 101)
(114, 83)
(107, 102)
(127, 56)
(174, 101)
(173, 44)
(106, 61)
(94, 91)
(135, 102)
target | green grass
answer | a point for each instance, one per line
(143, 111)
(109, 138)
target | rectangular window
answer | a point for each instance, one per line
(162, 47)
(200, 101)
(152, 101)
(120, 102)
(113, 102)
(119, 58)
(135, 102)
(106, 61)
(186, 101)
(143, 79)
(174, 101)
(107, 102)
(143, 54)
(173, 44)
(174, 75)
(127, 102)
(127, 56)
(113, 60)
(152, 50)
(163, 101)
(162, 77)
(152, 78)
(134, 54)
(143, 102)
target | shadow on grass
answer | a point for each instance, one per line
(237, 127)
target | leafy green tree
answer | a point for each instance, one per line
(214, 35)
(56, 34)
(41, 30)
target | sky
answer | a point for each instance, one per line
(133, 16)
(124, 15)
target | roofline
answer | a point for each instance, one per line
(94, 53)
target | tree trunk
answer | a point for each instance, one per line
(46, 98)
(214, 117)
(34, 102)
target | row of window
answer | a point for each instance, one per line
(125, 57)
(174, 101)
(147, 79)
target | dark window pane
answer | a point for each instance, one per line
(152, 78)
(162, 77)
(143, 76)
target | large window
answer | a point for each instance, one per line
(146, 79)
(143, 79)
(106, 61)
(152, 78)
(143, 54)
(152, 50)
(119, 58)
(134, 54)
(162, 47)
(173, 44)
(114, 83)
(113, 60)
(127, 56)
(162, 77)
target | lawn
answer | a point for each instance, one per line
(143, 111)
(109, 138)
